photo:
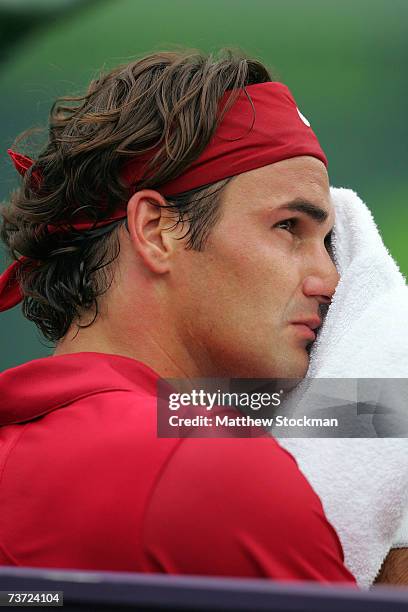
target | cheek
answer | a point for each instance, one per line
(236, 282)
(260, 269)
(253, 285)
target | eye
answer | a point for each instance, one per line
(287, 224)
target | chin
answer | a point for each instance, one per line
(292, 363)
(296, 367)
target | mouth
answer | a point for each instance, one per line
(304, 330)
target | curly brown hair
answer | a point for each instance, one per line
(166, 102)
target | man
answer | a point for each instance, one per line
(177, 224)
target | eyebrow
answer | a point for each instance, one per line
(315, 212)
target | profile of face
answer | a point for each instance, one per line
(266, 267)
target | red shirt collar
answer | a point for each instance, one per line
(40, 386)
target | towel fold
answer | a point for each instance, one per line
(362, 482)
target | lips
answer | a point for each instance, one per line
(311, 322)
(306, 326)
(305, 331)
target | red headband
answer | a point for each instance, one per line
(260, 128)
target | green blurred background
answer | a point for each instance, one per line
(345, 62)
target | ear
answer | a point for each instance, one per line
(147, 223)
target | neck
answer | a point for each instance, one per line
(142, 341)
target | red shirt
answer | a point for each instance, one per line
(86, 483)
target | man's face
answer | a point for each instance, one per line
(263, 268)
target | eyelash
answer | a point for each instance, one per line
(294, 222)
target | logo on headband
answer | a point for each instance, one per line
(303, 118)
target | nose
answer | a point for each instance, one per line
(321, 278)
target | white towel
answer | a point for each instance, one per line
(363, 483)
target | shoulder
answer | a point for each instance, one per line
(243, 504)
(245, 473)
